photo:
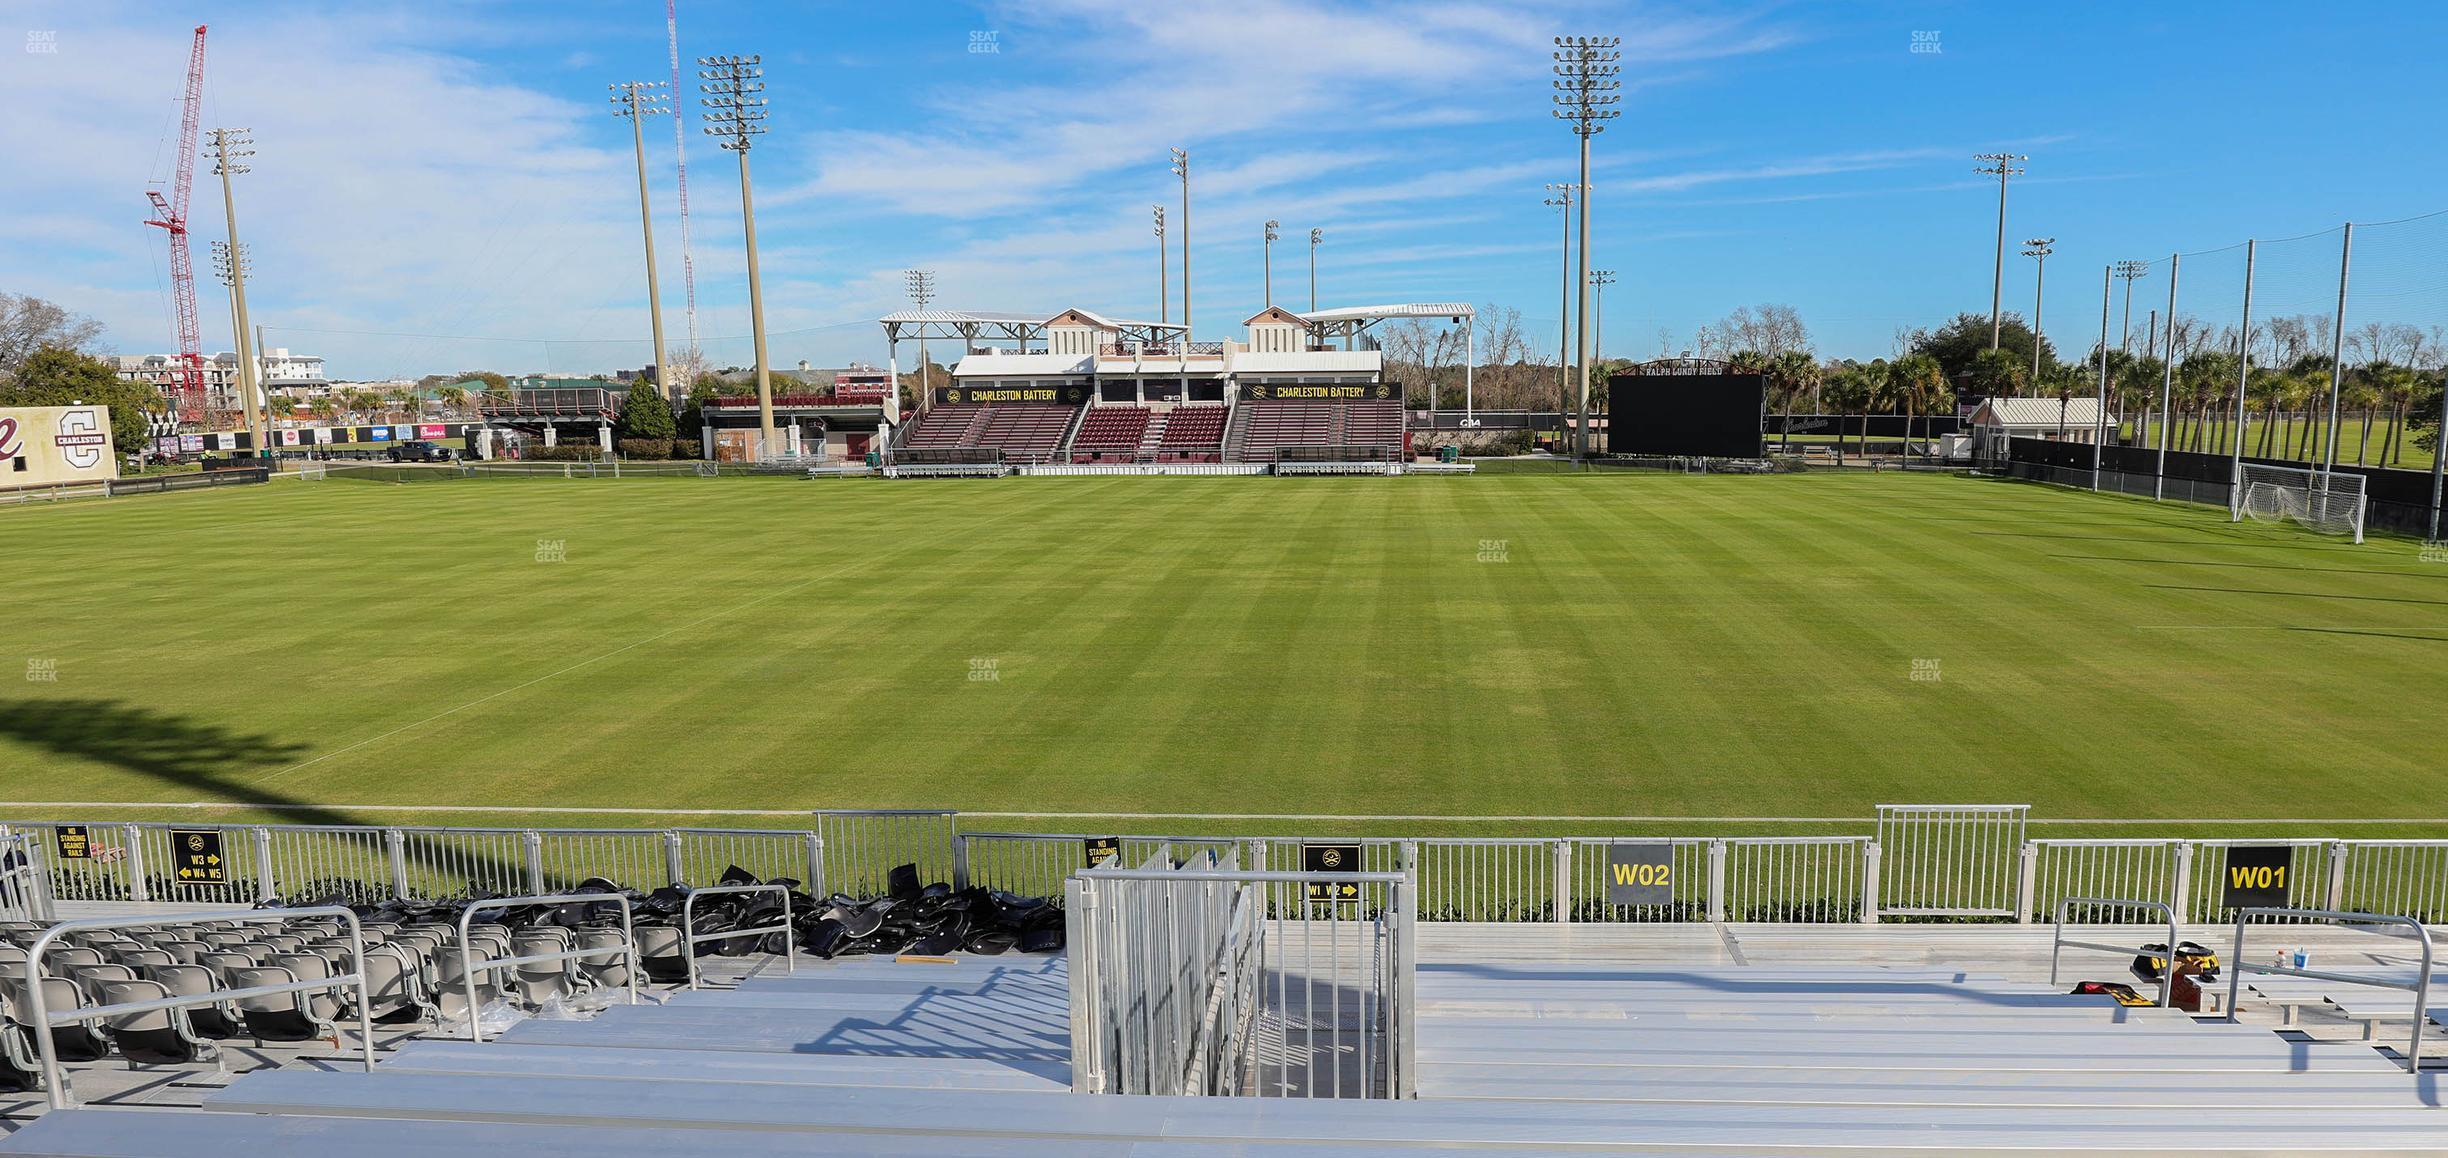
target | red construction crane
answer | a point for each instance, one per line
(171, 214)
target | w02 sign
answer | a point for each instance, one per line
(1640, 874)
(2256, 876)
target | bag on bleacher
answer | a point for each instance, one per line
(2192, 958)
(2123, 993)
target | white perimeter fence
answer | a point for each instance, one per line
(1925, 863)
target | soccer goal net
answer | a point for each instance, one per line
(2325, 501)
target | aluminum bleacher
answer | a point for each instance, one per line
(1546, 1041)
(1369, 430)
(1026, 432)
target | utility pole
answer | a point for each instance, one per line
(1562, 196)
(2001, 166)
(734, 88)
(2100, 419)
(1164, 285)
(1181, 169)
(921, 291)
(1599, 280)
(1315, 236)
(2038, 249)
(1269, 260)
(635, 101)
(229, 147)
(2167, 379)
(2337, 356)
(230, 271)
(1586, 93)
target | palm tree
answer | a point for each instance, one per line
(454, 399)
(1917, 383)
(1790, 375)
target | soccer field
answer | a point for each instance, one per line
(1505, 645)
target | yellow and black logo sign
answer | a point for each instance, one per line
(1640, 874)
(74, 844)
(1332, 858)
(1102, 848)
(2256, 876)
(197, 854)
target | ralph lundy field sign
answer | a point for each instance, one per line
(1640, 874)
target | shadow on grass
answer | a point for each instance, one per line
(2301, 594)
(204, 761)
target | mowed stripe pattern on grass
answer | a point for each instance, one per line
(1617, 644)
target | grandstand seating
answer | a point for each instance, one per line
(1023, 432)
(1260, 428)
(1111, 434)
(1191, 433)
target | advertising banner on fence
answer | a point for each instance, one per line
(51, 445)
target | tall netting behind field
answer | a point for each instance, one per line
(2396, 351)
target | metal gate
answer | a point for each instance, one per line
(1951, 860)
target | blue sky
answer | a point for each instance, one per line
(438, 186)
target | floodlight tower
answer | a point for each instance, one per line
(1586, 93)
(734, 88)
(1562, 197)
(1181, 169)
(1164, 284)
(231, 264)
(1599, 280)
(229, 150)
(2038, 249)
(635, 101)
(921, 284)
(2001, 166)
(1268, 259)
(2129, 269)
(1315, 236)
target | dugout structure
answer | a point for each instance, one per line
(1685, 408)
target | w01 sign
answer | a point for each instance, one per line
(1640, 874)
(2256, 876)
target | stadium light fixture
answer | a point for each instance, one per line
(1181, 169)
(734, 99)
(921, 283)
(1315, 236)
(229, 152)
(2038, 249)
(634, 101)
(1586, 93)
(1164, 288)
(1599, 280)
(1562, 196)
(2129, 269)
(2001, 166)
(1268, 260)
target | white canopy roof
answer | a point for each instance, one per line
(1381, 313)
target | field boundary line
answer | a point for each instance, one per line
(563, 809)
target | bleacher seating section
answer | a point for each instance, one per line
(1024, 432)
(1191, 433)
(1263, 427)
(1111, 434)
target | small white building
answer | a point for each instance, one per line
(2070, 420)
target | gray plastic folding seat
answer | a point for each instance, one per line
(450, 983)
(394, 984)
(277, 1016)
(138, 959)
(213, 1021)
(75, 1043)
(187, 952)
(281, 942)
(541, 981)
(153, 1036)
(90, 978)
(608, 969)
(225, 966)
(324, 1005)
(663, 952)
(57, 961)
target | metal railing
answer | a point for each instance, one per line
(1947, 860)
(862, 846)
(2420, 987)
(1213, 979)
(471, 968)
(42, 1021)
(690, 938)
(25, 889)
(2059, 944)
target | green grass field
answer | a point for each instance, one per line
(1527, 644)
